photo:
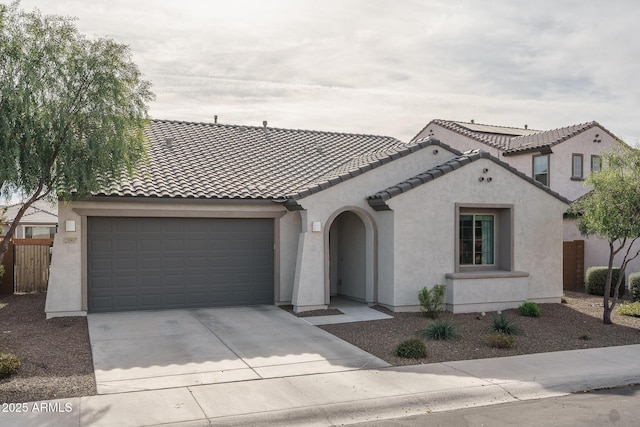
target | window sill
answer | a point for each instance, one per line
(576, 178)
(486, 274)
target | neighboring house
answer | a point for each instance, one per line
(559, 158)
(237, 215)
(39, 221)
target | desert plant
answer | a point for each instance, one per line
(440, 330)
(500, 340)
(501, 324)
(432, 300)
(9, 364)
(596, 279)
(634, 286)
(530, 309)
(411, 349)
(629, 309)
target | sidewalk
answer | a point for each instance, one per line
(346, 397)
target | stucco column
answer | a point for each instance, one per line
(308, 285)
(64, 291)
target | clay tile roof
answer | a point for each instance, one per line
(378, 200)
(512, 140)
(217, 161)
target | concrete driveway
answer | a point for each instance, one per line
(175, 348)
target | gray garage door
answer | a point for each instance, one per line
(159, 263)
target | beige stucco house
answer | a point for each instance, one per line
(39, 221)
(239, 215)
(559, 158)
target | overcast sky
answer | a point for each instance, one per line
(379, 66)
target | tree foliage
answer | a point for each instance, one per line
(612, 212)
(73, 109)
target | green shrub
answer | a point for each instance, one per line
(596, 279)
(432, 300)
(411, 349)
(500, 340)
(502, 325)
(634, 286)
(440, 330)
(1, 271)
(530, 309)
(629, 309)
(9, 364)
(585, 337)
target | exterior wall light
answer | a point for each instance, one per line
(316, 226)
(70, 225)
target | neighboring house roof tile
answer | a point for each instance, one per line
(40, 212)
(512, 140)
(378, 200)
(203, 160)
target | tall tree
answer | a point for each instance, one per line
(72, 110)
(612, 212)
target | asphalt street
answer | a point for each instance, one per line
(611, 407)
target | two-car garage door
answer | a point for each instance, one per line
(159, 263)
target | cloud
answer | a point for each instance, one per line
(380, 66)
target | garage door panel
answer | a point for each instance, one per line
(126, 264)
(174, 299)
(194, 261)
(101, 303)
(151, 245)
(151, 227)
(100, 246)
(126, 282)
(103, 264)
(102, 283)
(124, 245)
(125, 227)
(151, 281)
(151, 300)
(151, 263)
(173, 227)
(127, 302)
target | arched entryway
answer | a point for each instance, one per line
(349, 261)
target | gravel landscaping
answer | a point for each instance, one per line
(56, 354)
(574, 325)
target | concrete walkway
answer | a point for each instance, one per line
(352, 311)
(347, 397)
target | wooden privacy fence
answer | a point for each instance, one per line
(32, 258)
(573, 265)
(6, 285)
